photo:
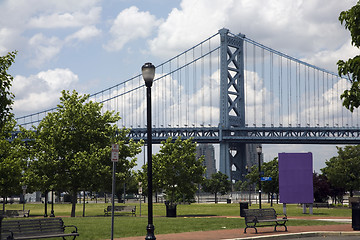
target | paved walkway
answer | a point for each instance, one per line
(263, 233)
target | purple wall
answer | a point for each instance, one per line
(296, 178)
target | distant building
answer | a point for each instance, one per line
(209, 153)
(252, 158)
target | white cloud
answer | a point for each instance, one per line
(9, 37)
(44, 49)
(298, 28)
(129, 25)
(84, 33)
(185, 27)
(328, 58)
(65, 20)
(41, 91)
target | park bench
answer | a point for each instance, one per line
(263, 217)
(121, 209)
(35, 229)
(15, 213)
(319, 205)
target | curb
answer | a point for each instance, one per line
(300, 235)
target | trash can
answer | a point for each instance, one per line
(355, 206)
(170, 209)
(243, 205)
(228, 201)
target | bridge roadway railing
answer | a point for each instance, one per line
(262, 135)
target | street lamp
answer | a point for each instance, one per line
(148, 73)
(259, 150)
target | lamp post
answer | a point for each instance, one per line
(148, 73)
(259, 150)
(52, 204)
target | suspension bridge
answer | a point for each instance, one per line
(232, 90)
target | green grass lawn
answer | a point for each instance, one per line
(194, 217)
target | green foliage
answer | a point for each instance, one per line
(13, 154)
(321, 187)
(219, 183)
(270, 169)
(351, 67)
(176, 170)
(73, 147)
(6, 96)
(343, 171)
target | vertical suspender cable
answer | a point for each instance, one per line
(299, 93)
(280, 90)
(272, 94)
(179, 91)
(218, 75)
(210, 80)
(318, 96)
(332, 100)
(314, 79)
(309, 97)
(202, 87)
(171, 102)
(290, 88)
(195, 92)
(296, 93)
(254, 82)
(307, 107)
(245, 77)
(186, 92)
(263, 85)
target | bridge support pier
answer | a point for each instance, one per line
(233, 159)
(232, 103)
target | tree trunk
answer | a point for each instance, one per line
(351, 193)
(216, 198)
(84, 205)
(271, 200)
(46, 201)
(73, 203)
(4, 200)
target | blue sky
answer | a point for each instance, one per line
(89, 45)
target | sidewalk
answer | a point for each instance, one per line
(263, 233)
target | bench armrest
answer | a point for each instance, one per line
(76, 230)
(284, 216)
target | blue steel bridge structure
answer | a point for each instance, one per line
(233, 91)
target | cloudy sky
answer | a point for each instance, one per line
(89, 45)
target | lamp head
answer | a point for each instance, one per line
(148, 73)
(259, 149)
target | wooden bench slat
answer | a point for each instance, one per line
(130, 209)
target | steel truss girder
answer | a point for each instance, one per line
(266, 135)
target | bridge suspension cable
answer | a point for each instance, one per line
(280, 91)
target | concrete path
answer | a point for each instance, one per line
(340, 231)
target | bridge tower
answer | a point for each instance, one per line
(232, 103)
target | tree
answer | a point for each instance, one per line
(6, 96)
(321, 187)
(270, 169)
(74, 146)
(177, 171)
(343, 171)
(351, 67)
(12, 153)
(219, 183)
